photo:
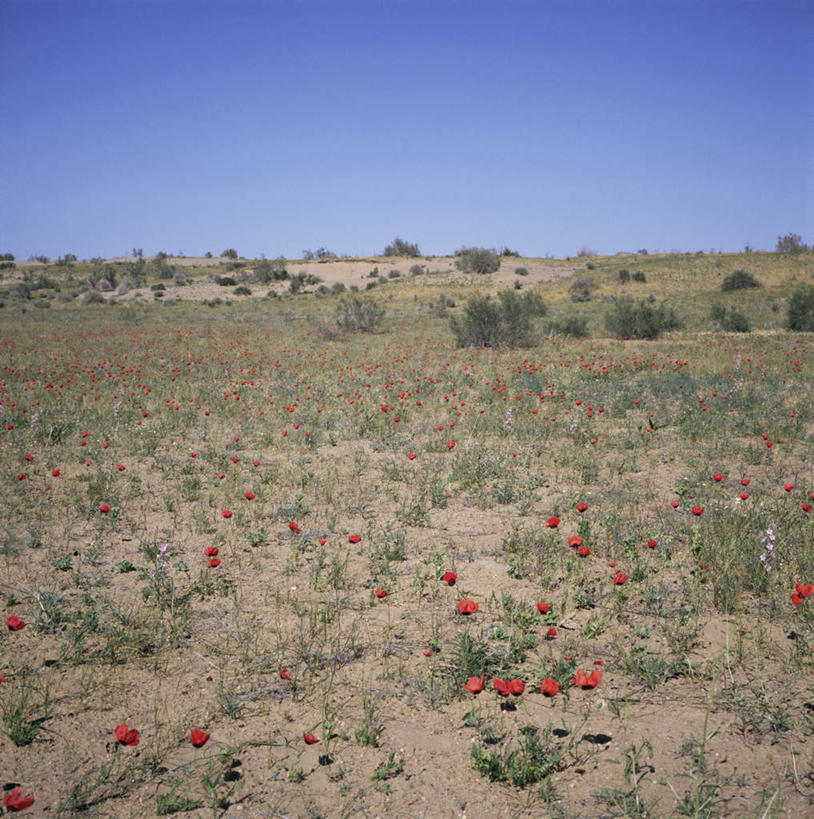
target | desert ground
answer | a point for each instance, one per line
(380, 572)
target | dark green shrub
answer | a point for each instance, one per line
(225, 281)
(242, 290)
(629, 319)
(337, 288)
(801, 310)
(739, 280)
(158, 286)
(638, 276)
(394, 274)
(505, 322)
(358, 314)
(521, 271)
(571, 325)
(729, 319)
(624, 276)
(417, 270)
(398, 247)
(229, 253)
(477, 260)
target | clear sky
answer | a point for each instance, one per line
(272, 126)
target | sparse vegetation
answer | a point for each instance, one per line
(501, 322)
(739, 280)
(398, 247)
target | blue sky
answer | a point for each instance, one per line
(277, 126)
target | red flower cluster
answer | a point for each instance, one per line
(801, 592)
(586, 681)
(504, 687)
(467, 606)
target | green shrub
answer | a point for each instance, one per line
(268, 270)
(801, 310)
(225, 281)
(242, 290)
(581, 288)
(629, 319)
(739, 280)
(571, 325)
(229, 253)
(624, 276)
(358, 314)
(729, 320)
(498, 323)
(638, 276)
(398, 247)
(477, 260)
(521, 271)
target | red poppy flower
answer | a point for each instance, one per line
(29, 457)
(249, 496)
(14, 623)
(211, 551)
(553, 522)
(21, 476)
(294, 528)
(450, 578)
(467, 606)
(55, 473)
(221, 475)
(516, 687)
(765, 436)
(575, 541)
(121, 467)
(796, 599)
(745, 481)
(806, 507)
(551, 633)
(651, 544)
(717, 477)
(620, 579)
(549, 687)
(450, 444)
(675, 504)
(698, 510)
(612, 564)
(255, 463)
(744, 496)
(769, 444)
(581, 507)
(807, 590)
(544, 608)
(198, 737)
(788, 486)
(411, 456)
(193, 454)
(355, 539)
(586, 681)
(104, 508)
(322, 541)
(584, 551)
(15, 802)
(380, 593)
(428, 652)
(214, 562)
(501, 686)
(127, 736)
(310, 739)
(474, 685)
(227, 513)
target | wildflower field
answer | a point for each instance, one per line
(251, 567)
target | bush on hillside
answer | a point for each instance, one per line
(477, 260)
(739, 280)
(359, 314)
(801, 310)
(630, 319)
(729, 319)
(501, 322)
(398, 247)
